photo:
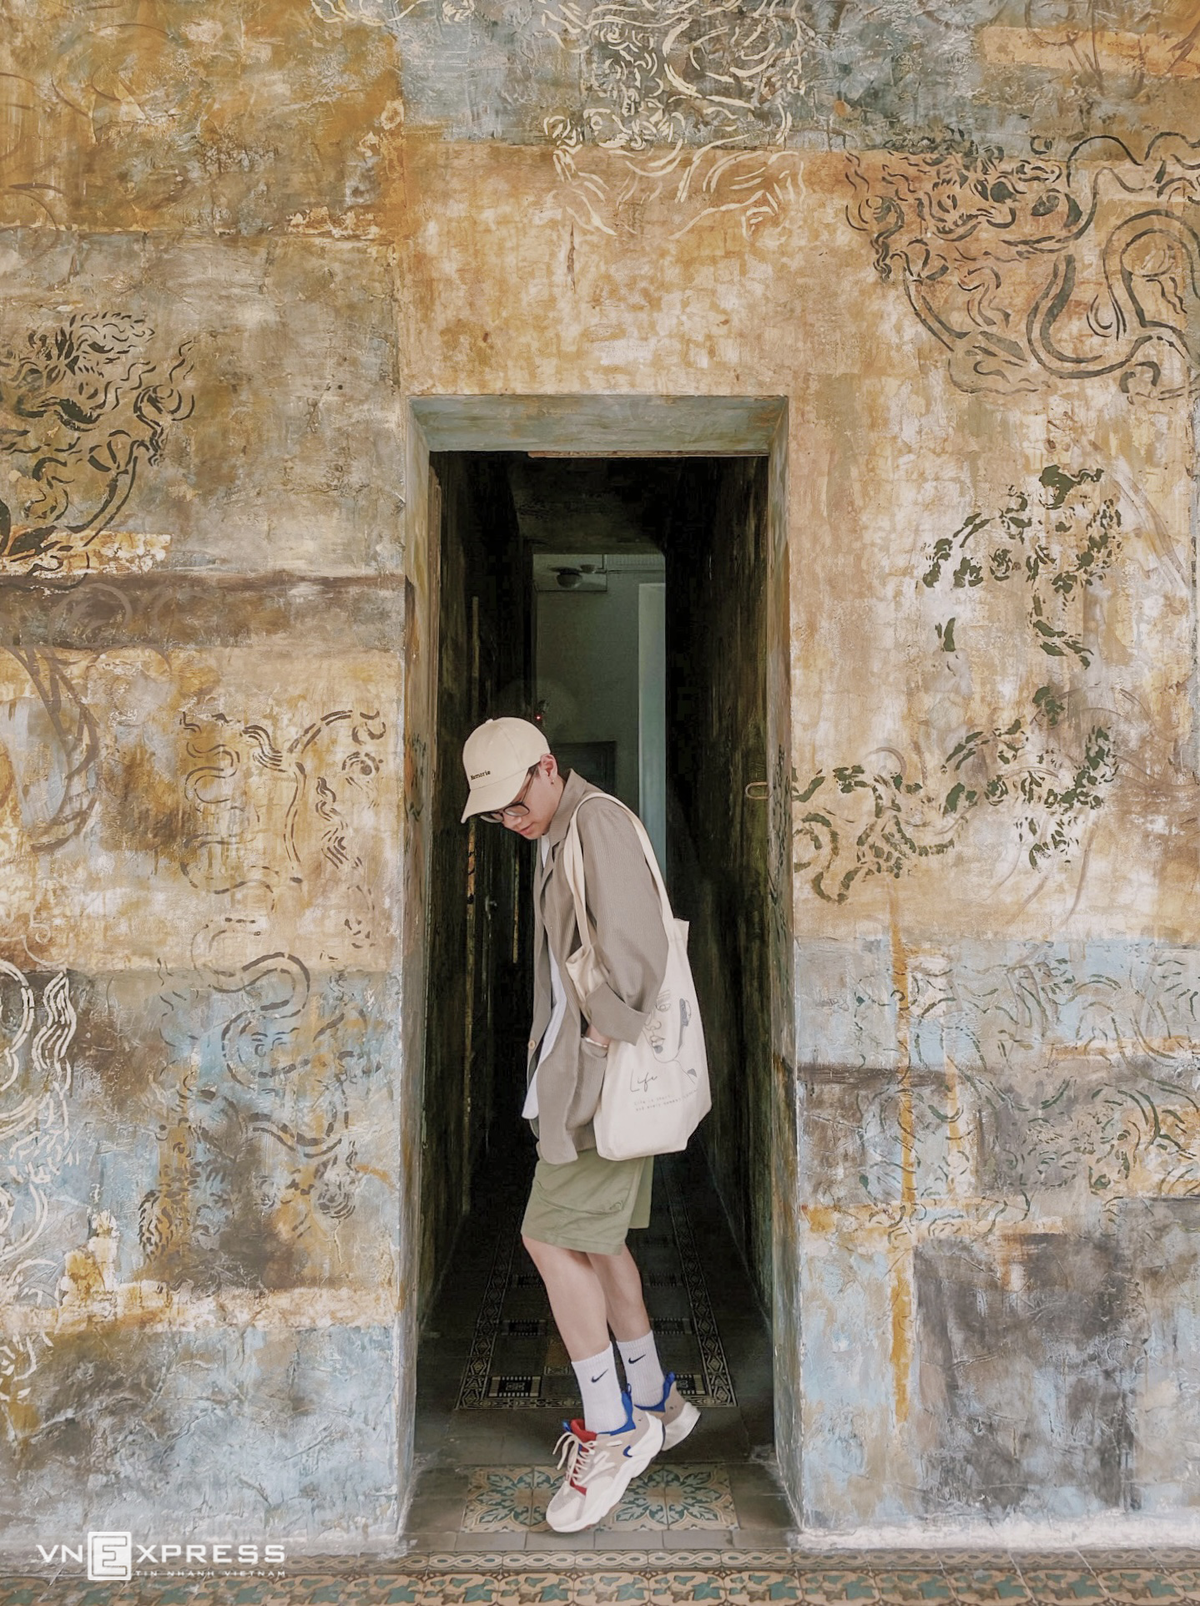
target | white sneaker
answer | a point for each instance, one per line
(677, 1415)
(600, 1467)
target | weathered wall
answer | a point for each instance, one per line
(235, 240)
(716, 720)
(201, 716)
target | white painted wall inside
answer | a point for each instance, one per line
(588, 653)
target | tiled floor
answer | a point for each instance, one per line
(489, 1472)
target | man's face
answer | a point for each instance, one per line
(540, 799)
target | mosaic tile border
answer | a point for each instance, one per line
(742, 1578)
(473, 1392)
(718, 1385)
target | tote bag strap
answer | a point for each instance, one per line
(573, 864)
(574, 856)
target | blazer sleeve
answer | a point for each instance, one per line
(626, 915)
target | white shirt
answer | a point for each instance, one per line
(558, 1010)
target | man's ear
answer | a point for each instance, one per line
(549, 765)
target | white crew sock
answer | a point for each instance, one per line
(603, 1407)
(642, 1370)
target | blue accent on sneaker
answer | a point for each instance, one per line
(627, 1402)
(668, 1384)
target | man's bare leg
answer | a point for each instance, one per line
(598, 1467)
(577, 1297)
(624, 1304)
(630, 1322)
(589, 1293)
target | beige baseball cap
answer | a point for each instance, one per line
(496, 756)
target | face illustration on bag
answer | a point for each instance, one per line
(656, 1026)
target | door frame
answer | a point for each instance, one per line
(591, 425)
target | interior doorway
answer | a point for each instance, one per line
(620, 603)
(552, 567)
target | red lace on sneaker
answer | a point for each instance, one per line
(572, 1451)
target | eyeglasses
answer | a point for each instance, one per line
(516, 808)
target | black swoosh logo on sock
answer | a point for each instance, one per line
(602, 1374)
(634, 1359)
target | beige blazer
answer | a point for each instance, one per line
(625, 915)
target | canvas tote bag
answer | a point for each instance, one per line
(655, 1091)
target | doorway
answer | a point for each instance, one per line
(665, 563)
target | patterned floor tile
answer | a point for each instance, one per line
(507, 1499)
(986, 1586)
(456, 1589)
(697, 1497)
(606, 1588)
(1134, 1586)
(1062, 1584)
(684, 1584)
(681, 1498)
(751, 1586)
(535, 1588)
(826, 1585)
(1188, 1578)
(643, 1506)
(497, 1578)
(913, 1586)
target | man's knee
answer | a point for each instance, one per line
(613, 1262)
(539, 1250)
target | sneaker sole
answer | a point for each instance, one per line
(681, 1427)
(634, 1466)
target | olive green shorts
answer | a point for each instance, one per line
(589, 1203)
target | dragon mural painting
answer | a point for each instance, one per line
(1015, 1090)
(1029, 271)
(269, 1062)
(1058, 538)
(83, 403)
(1028, 268)
(82, 406)
(257, 1156)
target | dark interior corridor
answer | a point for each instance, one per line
(706, 517)
(494, 1385)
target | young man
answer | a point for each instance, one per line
(581, 1205)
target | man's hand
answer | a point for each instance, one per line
(593, 1036)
